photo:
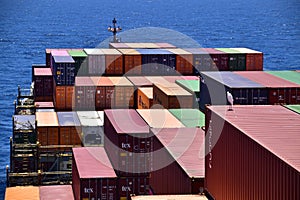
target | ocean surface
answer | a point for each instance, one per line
(30, 26)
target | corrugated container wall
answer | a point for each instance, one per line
(132, 61)
(193, 86)
(131, 186)
(104, 93)
(22, 193)
(80, 58)
(254, 59)
(236, 59)
(63, 70)
(144, 98)
(47, 128)
(57, 192)
(63, 97)
(43, 84)
(85, 91)
(219, 59)
(127, 142)
(252, 153)
(113, 62)
(184, 61)
(95, 62)
(93, 175)
(178, 161)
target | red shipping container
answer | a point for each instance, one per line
(127, 142)
(43, 84)
(104, 97)
(219, 59)
(57, 192)
(178, 161)
(252, 152)
(254, 59)
(132, 186)
(63, 97)
(280, 90)
(93, 176)
(47, 128)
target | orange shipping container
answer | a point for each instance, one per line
(22, 193)
(184, 61)
(63, 97)
(47, 128)
(123, 93)
(132, 61)
(144, 98)
(113, 62)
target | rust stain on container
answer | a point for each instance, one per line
(57, 192)
(22, 193)
(252, 152)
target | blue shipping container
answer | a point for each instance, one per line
(64, 70)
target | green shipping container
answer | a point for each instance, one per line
(193, 86)
(291, 76)
(189, 117)
(236, 59)
(295, 108)
(79, 56)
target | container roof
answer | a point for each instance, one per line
(129, 52)
(22, 193)
(84, 81)
(189, 117)
(63, 59)
(57, 192)
(267, 79)
(157, 80)
(190, 85)
(77, 53)
(68, 119)
(24, 122)
(139, 81)
(120, 81)
(173, 79)
(232, 80)
(173, 90)
(292, 76)
(46, 119)
(126, 121)
(148, 91)
(196, 51)
(93, 51)
(213, 51)
(179, 51)
(119, 45)
(246, 50)
(165, 45)
(170, 197)
(229, 50)
(48, 104)
(93, 162)
(186, 145)
(59, 52)
(42, 72)
(111, 52)
(295, 108)
(273, 127)
(142, 45)
(90, 118)
(159, 118)
(102, 81)
(154, 51)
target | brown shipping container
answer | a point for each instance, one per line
(172, 96)
(113, 62)
(47, 128)
(178, 161)
(104, 92)
(280, 90)
(132, 61)
(131, 186)
(127, 142)
(123, 93)
(173, 197)
(159, 118)
(93, 175)
(144, 98)
(184, 61)
(85, 90)
(57, 192)
(43, 84)
(254, 59)
(252, 153)
(22, 193)
(63, 97)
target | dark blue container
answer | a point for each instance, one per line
(63, 70)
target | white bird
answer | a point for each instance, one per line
(230, 100)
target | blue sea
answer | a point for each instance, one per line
(30, 26)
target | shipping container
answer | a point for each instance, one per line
(291, 76)
(157, 62)
(144, 98)
(85, 90)
(43, 105)
(22, 193)
(93, 175)
(131, 186)
(118, 45)
(24, 129)
(43, 84)
(192, 86)
(184, 61)
(47, 128)
(172, 96)
(57, 192)
(54, 52)
(123, 93)
(280, 91)
(80, 58)
(127, 142)
(104, 93)
(113, 62)
(178, 161)
(159, 118)
(48, 57)
(142, 45)
(132, 62)
(45, 110)
(173, 197)
(214, 85)
(92, 127)
(295, 108)
(254, 59)
(189, 117)
(23, 163)
(173, 79)
(236, 59)
(157, 80)
(63, 70)
(95, 62)
(163, 45)
(63, 97)
(252, 152)
(219, 59)
(69, 128)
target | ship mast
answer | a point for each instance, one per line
(114, 30)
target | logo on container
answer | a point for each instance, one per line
(126, 189)
(88, 190)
